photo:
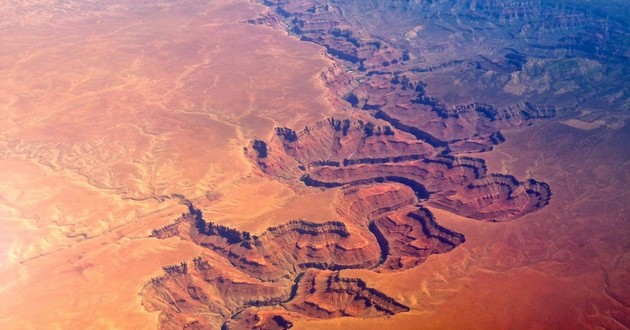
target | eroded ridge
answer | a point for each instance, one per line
(321, 294)
(407, 239)
(281, 252)
(387, 79)
(204, 294)
(292, 270)
(418, 66)
(324, 294)
(399, 147)
(336, 152)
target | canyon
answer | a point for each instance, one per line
(331, 164)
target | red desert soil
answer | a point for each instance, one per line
(110, 116)
(178, 164)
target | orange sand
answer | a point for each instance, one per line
(111, 113)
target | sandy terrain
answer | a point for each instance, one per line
(118, 113)
(112, 115)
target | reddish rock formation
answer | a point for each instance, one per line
(259, 318)
(382, 228)
(324, 294)
(408, 238)
(330, 142)
(271, 269)
(361, 204)
(409, 152)
(282, 251)
(201, 291)
(340, 152)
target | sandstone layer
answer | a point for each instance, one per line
(398, 148)
(328, 158)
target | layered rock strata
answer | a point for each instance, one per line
(401, 143)
(294, 266)
(335, 153)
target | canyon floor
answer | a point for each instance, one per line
(233, 164)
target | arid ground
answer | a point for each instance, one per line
(138, 135)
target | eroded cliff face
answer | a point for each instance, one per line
(295, 266)
(324, 294)
(402, 143)
(337, 153)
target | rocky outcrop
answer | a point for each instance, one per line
(459, 184)
(364, 203)
(320, 294)
(495, 198)
(256, 318)
(295, 265)
(206, 293)
(421, 96)
(422, 67)
(260, 147)
(324, 294)
(166, 231)
(330, 142)
(408, 238)
(338, 139)
(199, 287)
